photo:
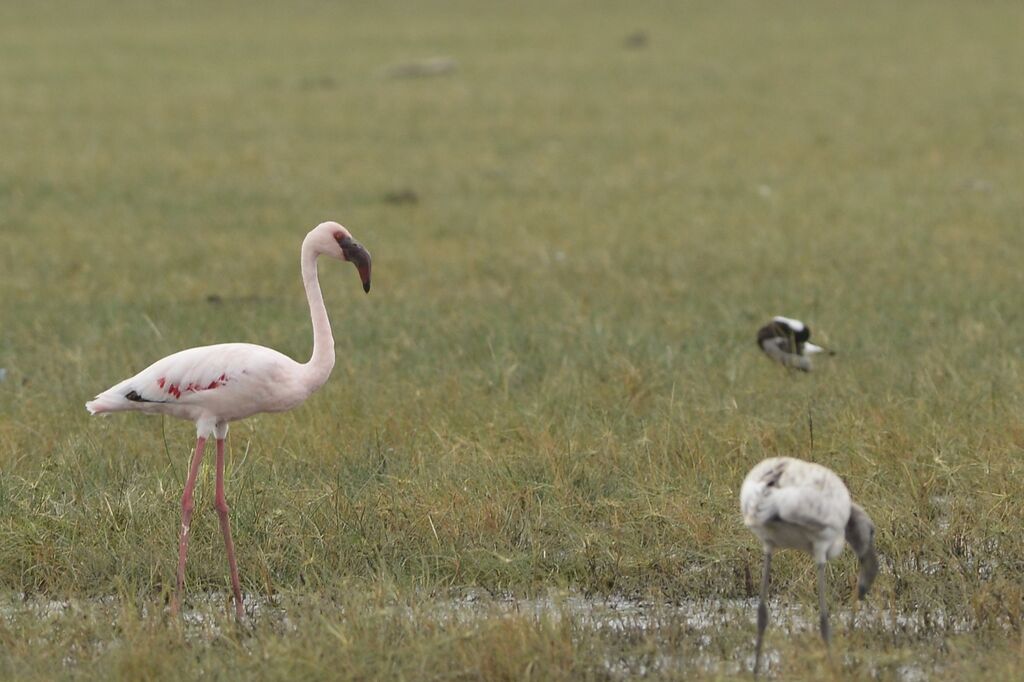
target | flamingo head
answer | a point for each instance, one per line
(344, 247)
(860, 533)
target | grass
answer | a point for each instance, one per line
(554, 384)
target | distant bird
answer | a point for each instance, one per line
(215, 385)
(788, 502)
(786, 341)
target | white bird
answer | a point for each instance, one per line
(215, 385)
(788, 502)
(786, 341)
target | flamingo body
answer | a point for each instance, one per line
(790, 503)
(211, 384)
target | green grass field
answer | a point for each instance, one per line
(552, 393)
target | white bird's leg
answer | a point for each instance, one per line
(821, 603)
(221, 505)
(186, 520)
(762, 610)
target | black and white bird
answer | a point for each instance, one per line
(790, 503)
(787, 341)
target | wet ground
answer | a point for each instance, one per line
(707, 635)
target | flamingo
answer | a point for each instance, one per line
(215, 385)
(788, 502)
(786, 341)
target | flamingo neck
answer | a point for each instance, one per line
(319, 367)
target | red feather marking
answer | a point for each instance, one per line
(161, 381)
(174, 390)
(223, 378)
(213, 384)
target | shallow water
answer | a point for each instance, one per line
(618, 618)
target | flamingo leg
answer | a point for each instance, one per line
(762, 610)
(221, 504)
(186, 520)
(823, 607)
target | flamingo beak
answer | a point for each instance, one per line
(357, 254)
(364, 275)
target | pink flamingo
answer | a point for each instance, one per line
(215, 385)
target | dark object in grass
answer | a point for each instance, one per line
(423, 68)
(636, 40)
(318, 83)
(401, 196)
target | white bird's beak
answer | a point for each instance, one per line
(811, 349)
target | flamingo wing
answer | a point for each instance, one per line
(796, 492)
(179, 376)
(812, 496)
(196, 376)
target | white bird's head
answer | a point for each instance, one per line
(860, 533)
(334, 240)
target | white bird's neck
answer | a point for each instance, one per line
(319, 367)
